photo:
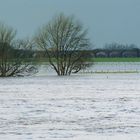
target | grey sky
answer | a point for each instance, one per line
(107, 20)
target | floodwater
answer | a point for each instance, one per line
(115, 67)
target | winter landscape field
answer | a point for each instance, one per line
(88, 106)
(69, 70)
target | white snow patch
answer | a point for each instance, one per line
(79, 107)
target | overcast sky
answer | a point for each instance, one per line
(107, 20)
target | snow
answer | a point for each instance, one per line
(77, 107)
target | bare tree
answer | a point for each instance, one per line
(64, 42)
(13, 59)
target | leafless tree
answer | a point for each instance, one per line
(13, 59)
(64, 41)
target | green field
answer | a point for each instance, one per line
(115, 59)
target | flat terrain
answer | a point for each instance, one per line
(114, 67)
(81, 107)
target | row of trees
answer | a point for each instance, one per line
(118, 46)
(117, 50)
(63, 41)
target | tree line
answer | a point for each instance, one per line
(117, 50)
(62, 41)
(64, 44)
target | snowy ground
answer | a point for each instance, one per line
(82, 107)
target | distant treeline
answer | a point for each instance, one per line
(117, 50)
(109, 50)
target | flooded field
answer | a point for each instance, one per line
(100, 67)
(115, 67)
(81, 107)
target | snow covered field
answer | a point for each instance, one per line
(81, 107)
